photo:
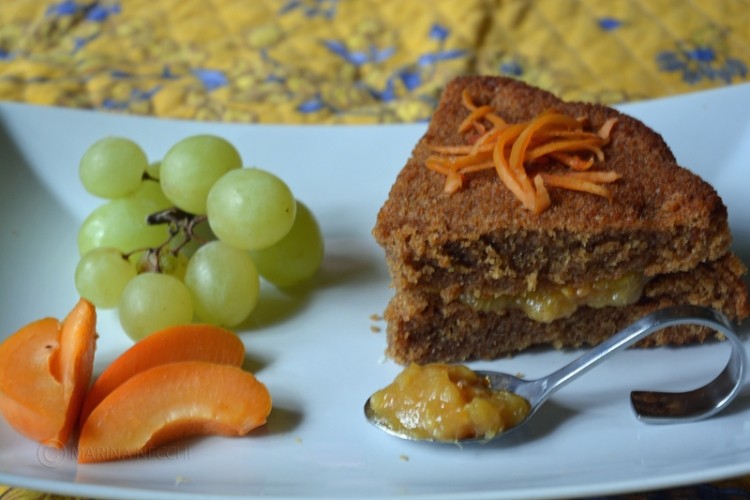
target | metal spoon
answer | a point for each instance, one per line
(650, 407)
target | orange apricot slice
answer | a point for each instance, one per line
(75, 362)
(30, 397)
(193, 342)
(171, 401)
(45, 371)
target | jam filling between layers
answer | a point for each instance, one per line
(549, 304)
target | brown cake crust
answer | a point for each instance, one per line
(663, 222)
(662, 218)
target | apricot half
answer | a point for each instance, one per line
(45, 371)
(171, 401)
(193, 342)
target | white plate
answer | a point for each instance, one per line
(317, 353)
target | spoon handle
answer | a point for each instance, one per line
(671, 316)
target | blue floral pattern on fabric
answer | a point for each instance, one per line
(135, 95)
(80, 42)
(410, 76)
(211, 79)
(100, 13)
(703, 56)
(311, 8)
(511, 68)
(65, 8)
(609, 23)
(359, 58)
(439, 32)
(701, 62)
(311, 105)
(95, 12)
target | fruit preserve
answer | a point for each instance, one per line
(444, 402)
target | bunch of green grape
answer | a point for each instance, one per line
(188, 238)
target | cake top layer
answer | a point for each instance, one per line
(653, 193)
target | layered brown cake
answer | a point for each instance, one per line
(507, 230)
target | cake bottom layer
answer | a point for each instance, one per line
(423, 327)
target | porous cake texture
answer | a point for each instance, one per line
(460, 261)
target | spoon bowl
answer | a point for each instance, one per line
(649, 406)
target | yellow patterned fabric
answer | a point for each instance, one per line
(360, 61)
(355, 61)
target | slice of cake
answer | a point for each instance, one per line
(523, 220)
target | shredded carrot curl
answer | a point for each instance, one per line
(510, 148)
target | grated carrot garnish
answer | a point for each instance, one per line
(475, 115)
(550, 138)
(576, 183)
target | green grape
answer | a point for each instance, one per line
(152, 170)
(224, 284)
(191, 167)
(112, 167)
(297, 256)
(101, 276)
(201, 234)
(174, 265)
(165, 261)
(121, 224)
(250, 208)
(150, 191)
(152, 301)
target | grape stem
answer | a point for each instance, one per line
(181, 223)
